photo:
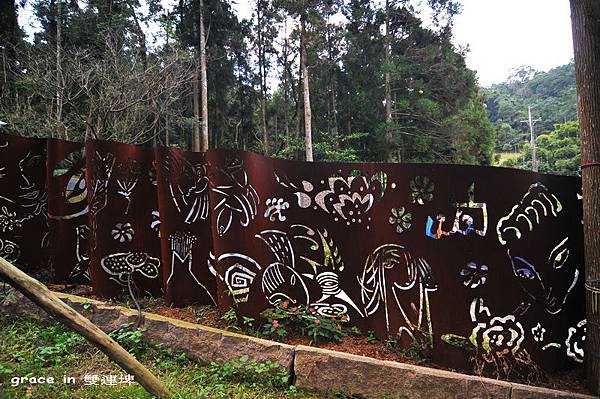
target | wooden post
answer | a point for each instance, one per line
(44, 298)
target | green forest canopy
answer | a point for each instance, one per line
(553, 98)
(92, 71)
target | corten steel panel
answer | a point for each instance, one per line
(500, 279)
(484, 264)
(23, 222)
(124, 240)
(67, 211)
(185, 227)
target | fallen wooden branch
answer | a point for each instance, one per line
(44, 298)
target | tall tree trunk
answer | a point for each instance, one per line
(306, 93)
(196, 88)
(204, 83)
(167, 141)
(59, 80)
(585, 17)
(286, 96)
(262, 73)
(388, 88)
(142, 55)
(332, 89)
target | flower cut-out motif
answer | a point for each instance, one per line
(500, 335)
(123, 232)
(8, 220)
(401, 218)
(538, 332)
(474, 275)
(421, 190)
(576, 341)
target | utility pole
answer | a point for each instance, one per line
(531, 123)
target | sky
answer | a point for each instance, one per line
(504, 34)
(501, 34)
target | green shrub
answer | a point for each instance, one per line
(302, 320)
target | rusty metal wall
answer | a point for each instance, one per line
(483, 264)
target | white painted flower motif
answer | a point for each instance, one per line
(538, 332)
(123, 232)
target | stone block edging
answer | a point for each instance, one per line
(312, 368)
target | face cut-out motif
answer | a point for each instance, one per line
(543, 263)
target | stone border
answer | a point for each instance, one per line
(312, 369)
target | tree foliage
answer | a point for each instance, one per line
(557, 152)
(112, 81)
(552, 96)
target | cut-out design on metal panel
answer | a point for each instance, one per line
(464, 219)
(401, 219)
(392, 266)
(152, 175)
(181, 245)
(9, 250)
(155, 223)
(128, 175)
(281, 281)
(76, 189)
(474, 274)
(575, 342)
(9, 220)
(188, 186)
(275, 208)
(496, 336)
(32, 198)
(240, 271)
(435, 229)
(497, 341)
(122, 265)
(347, 199)
(537, 203)
(325, 262)
(103, 166)
(548, 277)
(82, 257)
(75, 193)
(236, 199)
(538, 332)
(123, 232)
(71, 160)
(421, 190)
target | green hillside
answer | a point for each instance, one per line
(551, 94)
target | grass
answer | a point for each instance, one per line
(29, 348)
